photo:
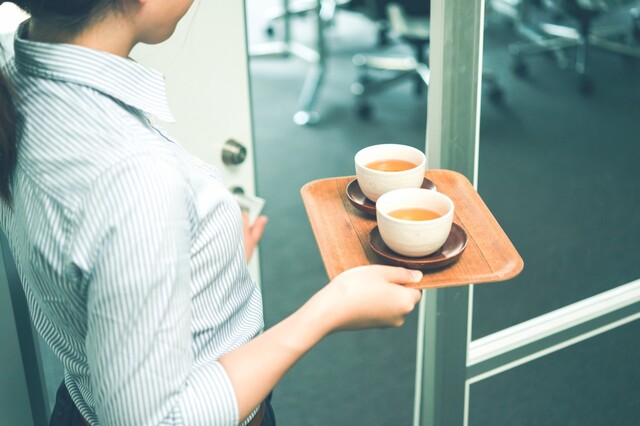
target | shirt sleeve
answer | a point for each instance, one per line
(137, 232)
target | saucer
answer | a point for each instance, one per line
(447, 254)
(365, 205)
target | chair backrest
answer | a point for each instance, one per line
(578, 7)
(410, 7)
(377, 9)
(413, 27)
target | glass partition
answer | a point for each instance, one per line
(558, 168)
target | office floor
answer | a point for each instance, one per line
(558, 170)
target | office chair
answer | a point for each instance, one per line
(557, 40)
(324, 13)
(408, 22)
(409, 28)
(296, 8)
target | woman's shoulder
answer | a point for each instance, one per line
(76, 157)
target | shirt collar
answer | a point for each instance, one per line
(120, 78)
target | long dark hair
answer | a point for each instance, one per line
(8, 149)
(70, 16)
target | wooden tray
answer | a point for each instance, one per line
(342, 233)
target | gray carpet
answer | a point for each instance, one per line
(560, 174)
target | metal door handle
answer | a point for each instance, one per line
(248, 203)
(233, 153)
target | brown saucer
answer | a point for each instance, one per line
(365, 205)
(447, 254)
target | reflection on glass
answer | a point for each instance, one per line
(558, 167)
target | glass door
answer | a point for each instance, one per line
(556, 165)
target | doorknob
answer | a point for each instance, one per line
(233, 153)
(248, 203)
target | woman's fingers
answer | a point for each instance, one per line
(373, 296)
(402, 276)
(258, 228)
(252, 233)
(399, 275)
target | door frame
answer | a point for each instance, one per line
(447, 360)
(24, 396)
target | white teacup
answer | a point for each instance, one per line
(374, 183)
(414, 238)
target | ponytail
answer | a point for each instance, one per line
(8, 152)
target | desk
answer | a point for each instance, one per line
(342, 233)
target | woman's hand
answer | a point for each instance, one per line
(369, 297)
(365, 297)
(252, 234)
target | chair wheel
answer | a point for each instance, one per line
(306, 118)
(496, 95)
(586, 86)
(635, 24)
(519, 68)
(365, 80)
(364, 111)
(270, 31)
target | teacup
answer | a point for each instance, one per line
(414, 222)
(383, 168)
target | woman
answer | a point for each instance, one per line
(130, 251)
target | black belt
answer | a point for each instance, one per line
(257, 419)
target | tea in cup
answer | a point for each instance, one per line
(383, 168)
(414, 222)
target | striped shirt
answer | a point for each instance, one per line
(129, 248)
